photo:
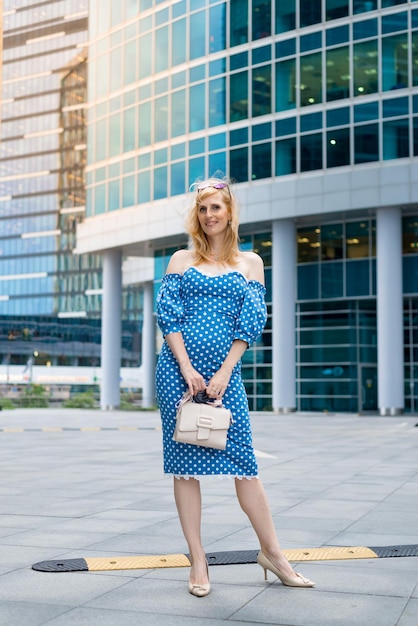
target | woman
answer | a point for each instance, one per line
(210, 309)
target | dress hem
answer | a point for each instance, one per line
(213, 476)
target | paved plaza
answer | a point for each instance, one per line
(83, 484)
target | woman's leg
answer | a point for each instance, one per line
(253, 501)
(189, 506)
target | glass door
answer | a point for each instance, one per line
(368, 388)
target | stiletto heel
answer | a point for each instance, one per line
(200, 590)
(297, 581)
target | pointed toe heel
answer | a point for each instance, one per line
(297, 580)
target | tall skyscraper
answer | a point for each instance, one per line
(50, 305)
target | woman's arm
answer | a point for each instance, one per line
(219, 381)
(194, 380)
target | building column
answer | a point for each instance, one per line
(283, 312)
(390, 311)
(148, 348)
(111, 329)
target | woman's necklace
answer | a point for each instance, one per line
(215, 255)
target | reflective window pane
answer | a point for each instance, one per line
(308, 242)
(217, 28)
(338, 74)
(311, 79)
(338, 147)
(361, 6)
(396, 139)
(239, 22)
(311, 152)
(366, 143)
(261, 90)
(178, 113)
(197, 108)
(394, 62)
(238, 165)
(331, 242)
(310, 12)
(357, 240)
(285, 85)
(286, 156)
(178, 42)
(197, 41)
(365, 64)
(335, 9)
(261, 19)
(217, 102)
(285, 16)
(332, 281)
(261, 161)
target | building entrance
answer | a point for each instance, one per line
(368, 388)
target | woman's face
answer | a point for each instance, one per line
(213, 214)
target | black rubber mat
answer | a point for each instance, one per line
(65, 565)
(384, 552)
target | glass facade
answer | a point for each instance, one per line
(266, 90)
(50, 300)
(286, 88)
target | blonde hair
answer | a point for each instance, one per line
(199, 243)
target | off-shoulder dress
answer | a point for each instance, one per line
(210, 311)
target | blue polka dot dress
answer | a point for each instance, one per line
(210, 312)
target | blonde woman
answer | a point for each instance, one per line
(210, 309)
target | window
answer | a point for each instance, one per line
(217, 102)
(365, 68)
(239, 22)
(238, 165)
(261, 161)
(261, 95)
(366, 143)
(394, 62)
(310, 12)
(338, 73)
(396, 139)
(285, 16)
(338, 147)
(311, 152)
(286, 156)
(261, 19)
(311, 79)
(286, 85)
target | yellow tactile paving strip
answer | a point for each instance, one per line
(137, 562)
(181, 560)
(330, 554)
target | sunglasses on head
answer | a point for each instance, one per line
(213, 186)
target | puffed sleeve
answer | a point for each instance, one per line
(169, 305)
(253, 315)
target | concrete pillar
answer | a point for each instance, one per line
(283, 308)
(390, 347)
(148, 348)
(111, 329)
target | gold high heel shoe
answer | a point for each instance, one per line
(297, 581)
(200, 590)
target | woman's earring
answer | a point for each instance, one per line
(229, 222)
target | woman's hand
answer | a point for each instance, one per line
(194, 380)
(218, 383)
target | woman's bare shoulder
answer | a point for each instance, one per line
(254, 266)
(180, 261)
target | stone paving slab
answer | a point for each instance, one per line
(78, 493)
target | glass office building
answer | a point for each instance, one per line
(311, 107)
(50, 302)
